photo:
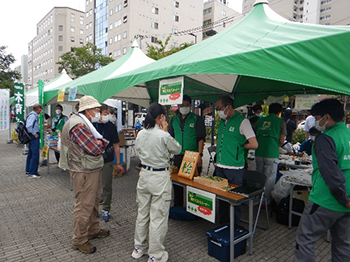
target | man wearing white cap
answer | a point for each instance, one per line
(82, 149)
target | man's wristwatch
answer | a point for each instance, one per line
(119, 163)
(201, 154)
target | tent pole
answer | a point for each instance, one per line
(212, 124)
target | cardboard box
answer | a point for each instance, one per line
(121, 139)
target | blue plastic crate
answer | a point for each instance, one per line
(219, 242)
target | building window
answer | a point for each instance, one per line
(223, 12)
(90, 37)
(207, 22)
(154, 25)
(153, 39)
(176, 4)
(124, 50)
(155, 10)
(60, 28)
(125, 3)
(111, 12)
(81, 20)
(60, 38)
(118, 8)
(81, 31)
(125, 34)
(72, 18)
(118, 23)
(87, 26)
(110, 41)
(117, 53)
(72, 39)
(175, 31)
(176, 18)
(60, 48)
(125, 19)
(207, 11)
(72, 29)
(87, 39)
(81, 41)
(87, 14)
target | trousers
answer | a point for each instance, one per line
(267, 166)
(87, 191)
(153, 198)
(107, 179)
(32, 163)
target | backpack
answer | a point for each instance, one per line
(22, 132)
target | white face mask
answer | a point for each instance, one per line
(258, 114)
(95, 118)
(105, 119)
(222, 114)
(58, 112)
(318, 127)
(184, 110)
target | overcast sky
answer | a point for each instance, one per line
(19, 18)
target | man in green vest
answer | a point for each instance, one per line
(57, 124)
(235, 134)
(188, 129)
(328, 207)
(270, 133)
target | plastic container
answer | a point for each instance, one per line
(219, 242)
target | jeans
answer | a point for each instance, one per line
(33, 156)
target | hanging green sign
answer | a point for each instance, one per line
(19, 101)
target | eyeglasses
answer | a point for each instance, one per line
(220, 107)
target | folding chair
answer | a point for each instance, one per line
(212, 152)
(257, 179)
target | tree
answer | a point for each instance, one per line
(83, 60)
(7, 76)
(157, 53)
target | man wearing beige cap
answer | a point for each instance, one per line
(82, 149)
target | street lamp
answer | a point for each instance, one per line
(195, 37)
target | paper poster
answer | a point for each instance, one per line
(72, 93)
(200, 203)
(274, 99)
(19, 101)
(305, 101)
(60, 97)
(171, 91)
(4, 109)
(188, 166)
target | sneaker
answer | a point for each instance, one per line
(163, 259)
(101, 234)
(105, 215)
(86, 248)
(34, 176)
(137, 253)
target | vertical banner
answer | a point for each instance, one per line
(171, 91)
(19, 101)
(60, 97)
(41, 118)
(200, 203)
(72, 93)
(4, 109)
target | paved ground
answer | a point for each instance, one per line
(36, 221)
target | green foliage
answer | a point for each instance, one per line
(83, 60)
(157, 53)
(298, 136)
(7, 75)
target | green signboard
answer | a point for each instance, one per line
(19, 101)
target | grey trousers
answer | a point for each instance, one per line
(107, 179)
(153, 198)
(313, 225)
(267, 166)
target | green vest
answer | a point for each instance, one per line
(230, 150)
(320, 192)
(188, 138)
(268, 132)
(59, 123)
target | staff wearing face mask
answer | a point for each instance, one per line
(328, 206)
(235, 134)
(82, 148)
(257, 110)
(189, 130)
(109, 131)
(306, 146)
(57, 124)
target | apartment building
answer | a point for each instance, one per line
(60, 30)
(217, 16)
(112, 25)
(324, 12)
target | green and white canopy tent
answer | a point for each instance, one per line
(134, 59)
(261, 55)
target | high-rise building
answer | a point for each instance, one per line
(112, 25)
(60, 30)
(324, 12)
(217, 16)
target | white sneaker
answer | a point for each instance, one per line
(137, 253)
(163, 259)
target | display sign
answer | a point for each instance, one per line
(171, 91)
(41, 117)
(19, 101)
(72, 93)
(188, 166)
(4, 109)
(200, 203)
(274, 99)
(305, 101)
(60, 97)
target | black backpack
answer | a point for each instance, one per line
(22, 132)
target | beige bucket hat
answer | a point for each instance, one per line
(88, 102)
